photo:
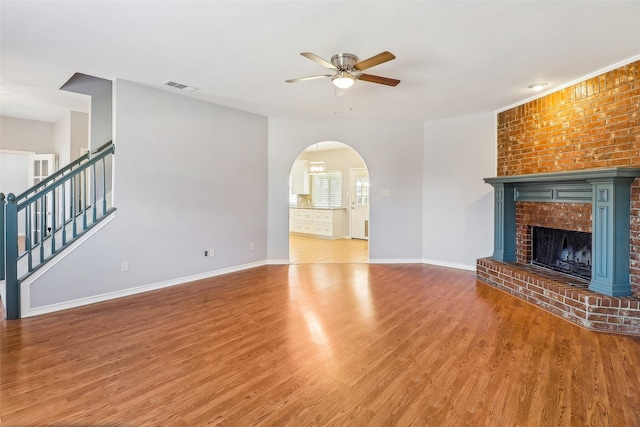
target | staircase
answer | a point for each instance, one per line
(40, 223)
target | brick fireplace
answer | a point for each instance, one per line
(569, 161)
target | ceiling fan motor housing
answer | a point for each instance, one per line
(344, 61)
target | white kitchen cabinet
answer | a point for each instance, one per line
(303, 221)
(303, 215)
(300, 177)
(327, 223)
(292, 219)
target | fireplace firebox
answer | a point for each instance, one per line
(562, 250)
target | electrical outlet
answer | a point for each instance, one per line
(125, 266)
(253, 246)
(209, 252)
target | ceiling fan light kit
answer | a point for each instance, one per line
(343, 80)
(348, 69)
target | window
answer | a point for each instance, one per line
(362, 191)
(326, 190)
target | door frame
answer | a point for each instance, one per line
(352, 195)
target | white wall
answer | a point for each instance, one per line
(78, 134)
(393, 154)
(61, 142)
(26, 135)
(71, 133)
(14, 172)
(189, 176)
(458, 205)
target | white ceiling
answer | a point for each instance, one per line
(453, 58)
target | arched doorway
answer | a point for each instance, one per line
(323, 204)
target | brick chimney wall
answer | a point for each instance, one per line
(592, 124)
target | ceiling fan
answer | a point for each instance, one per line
(347, 69)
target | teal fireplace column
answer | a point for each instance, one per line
(504, 229)
(611, 236)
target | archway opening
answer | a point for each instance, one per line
(329, 205)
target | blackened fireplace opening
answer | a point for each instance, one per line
(562, 250)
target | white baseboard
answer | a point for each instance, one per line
(455, 265)
(36, 311)
(395, 261)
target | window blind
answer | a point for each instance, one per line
(327, 190)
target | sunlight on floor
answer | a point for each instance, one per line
(313, 250)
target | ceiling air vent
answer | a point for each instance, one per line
(180, 86)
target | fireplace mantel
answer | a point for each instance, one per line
(569, 176)
(609, 192)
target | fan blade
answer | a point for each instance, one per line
(377, 79)
(316, 58)
(374, 60)
(302, 79)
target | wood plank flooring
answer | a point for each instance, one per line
(317, 344)
(306, 249)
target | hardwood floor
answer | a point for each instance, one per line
(305, 249)
(317, 344)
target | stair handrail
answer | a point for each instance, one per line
(54, 176)
(30, 196)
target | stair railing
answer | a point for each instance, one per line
(53, 214)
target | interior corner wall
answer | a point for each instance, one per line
(71, 133)
(101, 92)
(78, 134)
(62, 139)
(189, 176)
(392, 152)
(458, 205)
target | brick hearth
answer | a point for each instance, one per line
(563, 295)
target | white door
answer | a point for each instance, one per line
(40, 167)
(360, 194)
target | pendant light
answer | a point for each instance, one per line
(317, 166)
